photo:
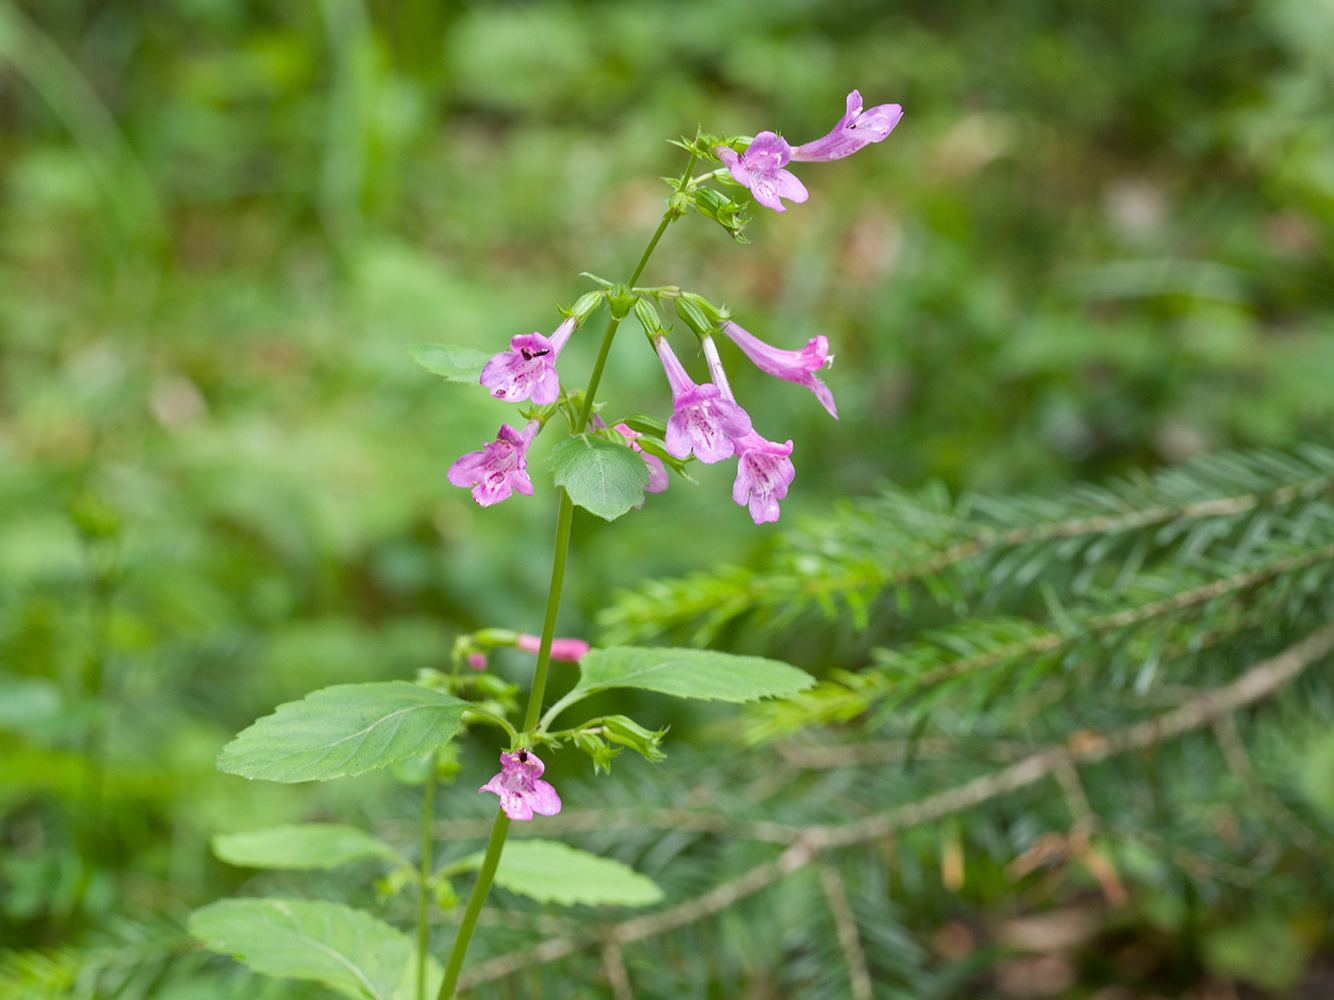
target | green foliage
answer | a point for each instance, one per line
(687, 673)
(345, 949)
(301, 846)
(599, 475)
(1099, 240)
(551, 872)
(454, 363)
(344, 730)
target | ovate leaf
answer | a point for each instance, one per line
(552, 872)
(346, 949)
(599, 475)
(303, 846)
(458, 364)
(343, 730)
(690, 673)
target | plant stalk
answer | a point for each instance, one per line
(563, 518)
(424, 903)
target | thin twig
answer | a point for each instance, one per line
(1258, 683)
(845, 922)
(1234, 751)
(614, 965)
(833, 755)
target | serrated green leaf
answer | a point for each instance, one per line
(346, 949)
(599, 475)
(343, 730)
(300, 846)
(552, 872)
(457, 364)
(689, 673)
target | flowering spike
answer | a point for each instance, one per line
(521, 790)
(856, 129)
(499, 468)
(703, 420)
(760, 168)
(794, 366)
(528, 368)
(566, 650)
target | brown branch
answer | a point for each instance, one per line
(845, 922)
(833, 755)
(614, 965)
(1234, 751)
(1084, 747)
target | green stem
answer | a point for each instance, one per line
(475, 901)
(424, 903)
(563, 518)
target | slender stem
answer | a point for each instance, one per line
(424, 903)
(563, 519)
(535, 697)
(475, 902)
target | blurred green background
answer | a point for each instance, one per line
(1101, 238)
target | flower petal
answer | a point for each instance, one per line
(543, 799)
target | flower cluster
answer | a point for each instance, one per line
(706, 423)
(761, 167)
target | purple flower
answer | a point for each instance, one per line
(521, 791)
(702, 421)
(763, 470)
(528, 368)
(568, 650)
(794, 366)
(763, 474)
(760, 168)
(854, 130)
(499, 468)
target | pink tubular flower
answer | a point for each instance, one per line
(499, 468)
(703, 420)
(794, 366)
(760, 168)
(477, 661)
(521, 790)
(854, 130)
(528, 368)
(763, 474)
(763, 470)
(569, 650)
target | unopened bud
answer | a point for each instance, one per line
(621, 300)
(586, 304)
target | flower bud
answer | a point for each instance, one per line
(584, 307)
(723, 210)
(621, 300)
(620, 729)
(648, 317)
(693, 316)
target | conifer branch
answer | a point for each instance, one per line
(978, 543)
(1084, 748)
(859, 977)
